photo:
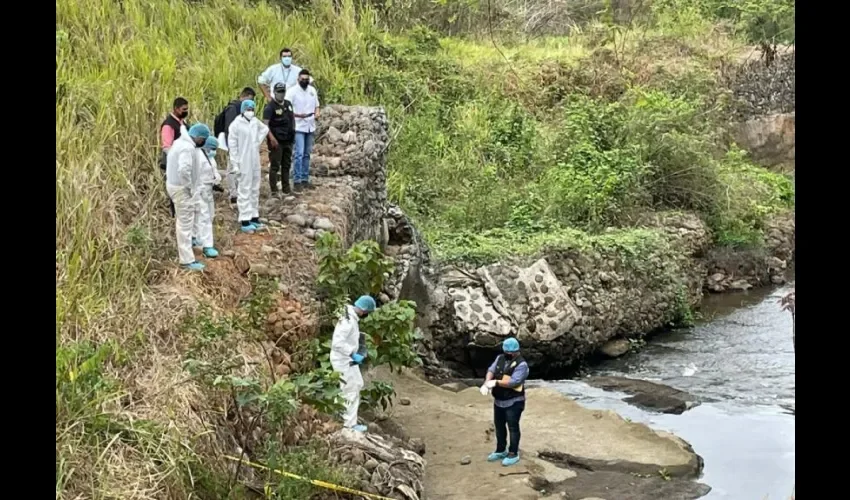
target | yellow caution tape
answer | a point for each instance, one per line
(314, 482)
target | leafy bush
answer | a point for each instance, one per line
(390, 335)
(342, 276)
(752, 195)
(377, 394)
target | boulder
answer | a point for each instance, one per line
(650, 396)
(615, 348)
(769, 139)
(454, 386)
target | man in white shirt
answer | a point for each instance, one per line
(305, 107)
(283, 72)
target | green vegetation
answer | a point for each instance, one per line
(550, 136)
(343, 276)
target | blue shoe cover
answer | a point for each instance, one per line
(508, 461)
(210, 252)
(360, 428)
(495, 456)
(194, 266)
(250, 228)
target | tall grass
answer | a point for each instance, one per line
(118, 67)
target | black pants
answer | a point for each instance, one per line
(280, 159)
(507, 419)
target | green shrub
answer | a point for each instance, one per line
(752, 195)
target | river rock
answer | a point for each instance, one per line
(417, 446)
(769, 139)
(323, 223)
(650, 396)
(539, 483)
(296, 219)
(466, 460)
(615, 348)
(454, 386)
(259, 269)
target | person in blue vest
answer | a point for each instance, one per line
(506, 382)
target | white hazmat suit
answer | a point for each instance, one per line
(229, 172)
(244, 138)
(345, 342)
(182, 181)
(209, 176)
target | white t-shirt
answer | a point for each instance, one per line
(304, 102)
(277, 73)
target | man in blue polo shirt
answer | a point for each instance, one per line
(280, 72)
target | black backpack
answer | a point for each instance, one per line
(218, 125)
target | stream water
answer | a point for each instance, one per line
(740, 359)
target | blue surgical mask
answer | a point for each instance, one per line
(287, 60)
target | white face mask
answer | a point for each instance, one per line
(249, 115)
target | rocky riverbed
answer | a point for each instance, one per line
(740, 364)
(567, 450)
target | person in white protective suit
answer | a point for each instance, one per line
(205, 212)
(348, 351)
(182, 181)
(244, 138)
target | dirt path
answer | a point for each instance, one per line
(627, 460)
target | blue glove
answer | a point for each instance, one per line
(357, 358)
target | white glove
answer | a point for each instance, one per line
(484, 390)
(490, 384)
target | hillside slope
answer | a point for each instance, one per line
(575, 135)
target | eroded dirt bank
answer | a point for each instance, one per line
(566, 449)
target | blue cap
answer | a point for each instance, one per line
(365, 303)
(510, 345)
(199, 131)
(246, 105)
(211, 143)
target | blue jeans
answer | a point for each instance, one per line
(507, 419)
(301, 165)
